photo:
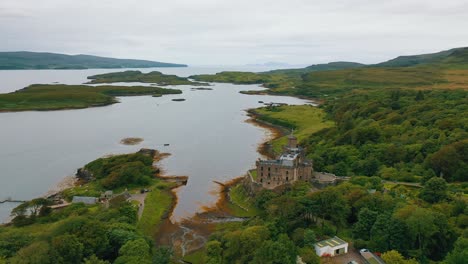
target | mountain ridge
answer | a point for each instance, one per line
(24, 60)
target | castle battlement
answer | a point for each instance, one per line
(289, 167)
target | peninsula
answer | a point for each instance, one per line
(60, 96)
(25, 60)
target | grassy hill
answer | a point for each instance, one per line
(447, 57)
(40, 60)
(442, 70)
(338, 65)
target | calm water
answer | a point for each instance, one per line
(208, 137)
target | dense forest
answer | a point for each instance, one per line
(405, 224)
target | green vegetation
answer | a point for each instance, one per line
(339, 65)
(97, 233)
(290, 221)
(401, 121)
(138, 76)
(60, 96)
(304, 119)
(128, 170)
(445, 70)
(157, 203)
(242, 205)
(38, 60)
(254, 174)
(402, 135)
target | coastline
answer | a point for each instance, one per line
(276, 132)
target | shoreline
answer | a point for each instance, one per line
(276, 132)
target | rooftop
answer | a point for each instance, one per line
(84, 199)
(331, 242)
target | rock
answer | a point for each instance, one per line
(84, 174)
(148, 152)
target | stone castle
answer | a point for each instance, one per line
(289, 167)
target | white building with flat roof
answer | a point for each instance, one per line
(331, 247)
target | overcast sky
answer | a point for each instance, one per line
(204, 32)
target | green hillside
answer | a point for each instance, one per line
(40, 60)
(443, 70)
(452, 56)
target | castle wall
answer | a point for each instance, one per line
(271, 175)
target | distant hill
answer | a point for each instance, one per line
(452, 56)
(39, 60)
(338, 65)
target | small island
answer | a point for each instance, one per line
(131, 141)
(60, 96)
(153, 77)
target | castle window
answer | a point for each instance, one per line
(261, 168)
(269, 168)
(268, 182)
(261, 180)
(269, 175)
(261, 174)
(287, 178)
(287, 172)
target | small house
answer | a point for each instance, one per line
(84, 199)
(107, 195)
(331, 247)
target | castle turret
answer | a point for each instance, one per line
(292, 141)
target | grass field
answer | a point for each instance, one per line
(59, 96)
(157, 203)
(305, 120)
(242, 204)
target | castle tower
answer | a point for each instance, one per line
(292, 141)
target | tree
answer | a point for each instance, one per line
(95, 260)
(134, 252)
(421, 226)
(309, 256)
(366, 219)
(394, 257)
(459, 254)
(162, 255)
(281, 251)
(67, 249)
(36, 253)
(309, 237)
(214, 252)
(435, 190)
(328, 204)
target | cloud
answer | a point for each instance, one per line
(235, 32)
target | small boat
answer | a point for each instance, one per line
(166, 145)
(260, 102)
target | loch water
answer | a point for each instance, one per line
(208, 137)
